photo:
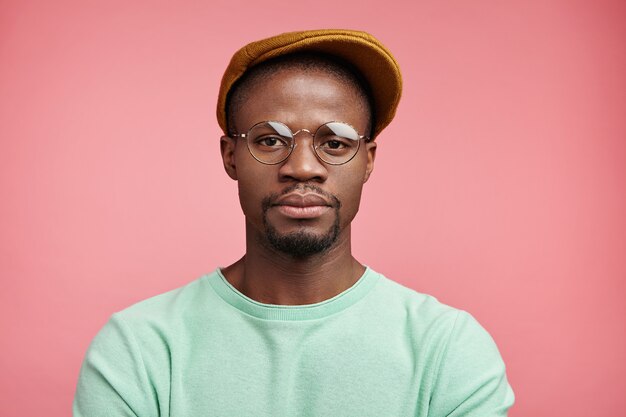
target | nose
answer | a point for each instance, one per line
(303, 164)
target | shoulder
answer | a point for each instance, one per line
(160, 320)
(175, 304)
(129, 359)
(468, 372)
(423, 310)
(145, 331)
(427, 313)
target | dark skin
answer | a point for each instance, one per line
(301, 100)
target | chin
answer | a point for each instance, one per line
(302, 243)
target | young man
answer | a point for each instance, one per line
(297, 326)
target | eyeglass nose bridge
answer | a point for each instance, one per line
(302, 130)
(293, 135)
(294, 143)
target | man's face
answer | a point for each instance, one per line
(301, 206)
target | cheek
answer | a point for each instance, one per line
(251, 195)
(253, 186)
(351, 186)
(350, 200)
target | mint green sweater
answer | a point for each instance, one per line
(377, 349)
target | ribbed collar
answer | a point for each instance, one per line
(319, 310)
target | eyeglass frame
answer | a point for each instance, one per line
(294, 144)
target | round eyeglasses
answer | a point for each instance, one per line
(271, 142)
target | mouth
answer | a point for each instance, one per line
(308, 212)
(302, 206)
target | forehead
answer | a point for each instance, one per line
(302, 99)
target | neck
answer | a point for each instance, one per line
(272, 277)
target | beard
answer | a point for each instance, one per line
(301, 244)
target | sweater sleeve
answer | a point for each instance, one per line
(471, 381)
(113, 381)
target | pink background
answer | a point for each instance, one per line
(499, 188)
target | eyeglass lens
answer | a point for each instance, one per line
(272, 142)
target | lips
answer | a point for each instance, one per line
(302, 200)
(302, 206)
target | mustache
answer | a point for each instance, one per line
(271, 199)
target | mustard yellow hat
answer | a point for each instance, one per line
(365, 52)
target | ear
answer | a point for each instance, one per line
(227, 148)
(371, 156)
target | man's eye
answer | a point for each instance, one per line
(335, 144)
(271, 141)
